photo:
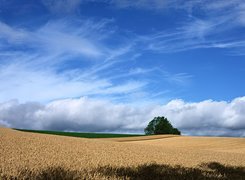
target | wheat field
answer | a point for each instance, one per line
(23, 154)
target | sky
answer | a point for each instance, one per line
(113, 65)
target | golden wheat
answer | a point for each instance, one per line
(22, 150)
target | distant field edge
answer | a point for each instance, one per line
(81, 134)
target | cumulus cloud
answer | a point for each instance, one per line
(216, 118)
(208, 117)
(82, 114)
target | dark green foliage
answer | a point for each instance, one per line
(161, 125)
(176, 131)
(83, 135)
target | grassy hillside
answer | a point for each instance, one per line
(78, 134)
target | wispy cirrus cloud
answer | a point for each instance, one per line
(200, 30)
(11, 35)
(55, 37)
(194, 34)
(141, 4)
(86, 44)
(62, 6)
(207, 24)
(49, 50)
(41, 73)
(188, 5)
(29, 78)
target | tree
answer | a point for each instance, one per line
(160, 125)
(176, 131)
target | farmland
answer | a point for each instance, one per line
(79, 134)
(26, 154)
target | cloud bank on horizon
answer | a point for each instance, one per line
(111, 65)
(217, 118)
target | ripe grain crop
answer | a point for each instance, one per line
(40, 156)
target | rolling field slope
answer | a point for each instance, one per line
(79, 134)
(138, 138)
(32, 152)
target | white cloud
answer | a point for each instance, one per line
(208, 115)
(71, 114)
(218, 118)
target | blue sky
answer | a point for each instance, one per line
(134, 54)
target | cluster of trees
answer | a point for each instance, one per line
(161, 125)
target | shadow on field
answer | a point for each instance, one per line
(50, 173)
(210, 171)
(214, 171)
